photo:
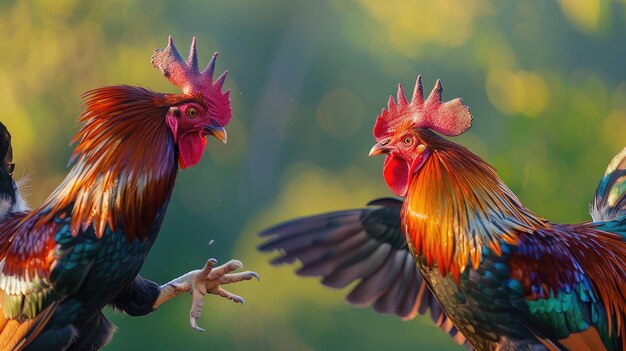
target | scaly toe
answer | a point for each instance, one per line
(228, 295)
(238, 277)
(234, 265)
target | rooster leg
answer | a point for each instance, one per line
(207, 280)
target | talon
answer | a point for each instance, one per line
(224, 269)
(237, 277)
(194, 324)
(228, 295)
(209, 280)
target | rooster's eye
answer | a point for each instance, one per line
(408, 140)
(192, 112)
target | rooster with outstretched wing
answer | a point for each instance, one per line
(493, 273)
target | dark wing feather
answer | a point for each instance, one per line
(364, 244)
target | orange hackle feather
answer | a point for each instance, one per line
(456, 208)
(124, 163)
(456, 205)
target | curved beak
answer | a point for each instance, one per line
(218, 132)
(379, 149)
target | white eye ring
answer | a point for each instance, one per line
(407, 140)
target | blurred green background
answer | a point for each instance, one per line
(546, 81)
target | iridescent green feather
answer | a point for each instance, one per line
(561, 315)
(75, 257)
(610, 199)
(25, 296)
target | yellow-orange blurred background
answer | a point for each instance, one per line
(546, 82)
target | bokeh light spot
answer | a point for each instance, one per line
(614, 127)
(521, 92)
(584, 14)
(340, 113)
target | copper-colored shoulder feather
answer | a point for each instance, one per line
(124, 163)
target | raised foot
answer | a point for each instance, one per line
(209, 280)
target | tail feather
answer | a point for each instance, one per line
(610, 199)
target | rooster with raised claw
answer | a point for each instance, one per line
(494, 274)
(82, 249)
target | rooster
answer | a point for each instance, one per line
(494, 275)
(82, 249)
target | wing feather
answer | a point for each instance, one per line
(364, 245)
(39, 267)
(573, 278)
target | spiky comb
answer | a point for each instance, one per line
(187, 76)
(449, 118)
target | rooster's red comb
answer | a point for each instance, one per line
(187, 76)
(449, 118)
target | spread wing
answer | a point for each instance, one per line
(40, 265)
(364, 244)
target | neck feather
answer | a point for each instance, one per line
(124, 164)
(456, 205)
